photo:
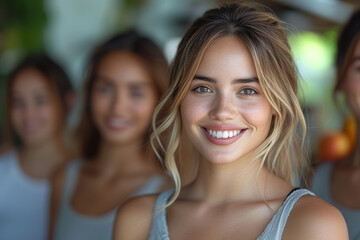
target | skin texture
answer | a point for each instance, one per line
(226, 199)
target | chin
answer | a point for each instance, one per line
(222, 158)
(35, 140)
(120, 139)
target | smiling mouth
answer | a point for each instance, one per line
(224, 134)
(117, 123)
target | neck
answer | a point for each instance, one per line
(113, 159)
(354, 158)
(240, 180)
(41, 160)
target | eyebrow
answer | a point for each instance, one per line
(135, 84)
(235, 81)
(138, 85)
(103, 78)
(356, 58)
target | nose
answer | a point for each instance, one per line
(119, 103)
(29, 111)
(223, 107)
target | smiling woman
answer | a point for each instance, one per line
(233, 92)
(123, 83)
(126, 77)
(232, 103)
(38, 98)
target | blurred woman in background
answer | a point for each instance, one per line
(339, 183)
(38, 98)
(126, 77)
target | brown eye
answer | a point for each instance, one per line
(202, 89)
(105, 89)
(248, 92)
(137, 93)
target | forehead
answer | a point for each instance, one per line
(123, 66)
(30, 80)
(228, 56)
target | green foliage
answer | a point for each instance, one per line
(21, 25)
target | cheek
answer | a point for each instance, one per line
(193, 111)
(258, 114)
(144, 109)
(50, 114)
(16, 116)
(353, 83)
(188, 112)
(99, 104)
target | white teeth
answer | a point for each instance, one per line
(116, 122)
(223, 134)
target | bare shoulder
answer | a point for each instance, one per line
(134, 218)
(313, 218)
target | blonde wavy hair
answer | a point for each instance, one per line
(264, 35)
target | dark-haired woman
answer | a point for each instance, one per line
(339, 183)
(38, 97)
(127, 75)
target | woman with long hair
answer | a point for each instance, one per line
(126, 77)
(338, 183)
(233, 92)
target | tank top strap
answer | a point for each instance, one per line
(71, 176)
(275, 228)
(151, 186)
(159, 230)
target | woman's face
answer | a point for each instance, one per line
(33, 110)
(225, 112)
(352, 82)
(123, 98)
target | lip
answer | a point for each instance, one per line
(31, 128)
(117, 123)
(222, 127)
(223, 141)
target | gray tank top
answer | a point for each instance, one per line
(273, 231)
(72, 225)
(321, 187)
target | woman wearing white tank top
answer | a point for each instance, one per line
(38, 98)
(234, 93)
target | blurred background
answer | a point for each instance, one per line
(69, 29)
